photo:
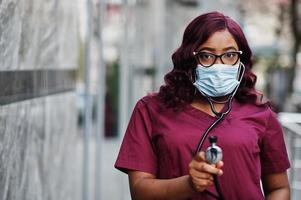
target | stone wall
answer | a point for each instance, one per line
(40, 152)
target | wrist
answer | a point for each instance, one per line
(195, 189)
(192, 189)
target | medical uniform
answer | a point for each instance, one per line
(162, 142)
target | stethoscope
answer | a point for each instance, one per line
(213, 153)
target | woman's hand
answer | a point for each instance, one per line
(201, 173)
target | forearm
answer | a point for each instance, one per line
(279, 194)
(276, 186)
(157, 189)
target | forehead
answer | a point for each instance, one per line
(219, 41)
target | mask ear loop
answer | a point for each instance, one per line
(191, 77)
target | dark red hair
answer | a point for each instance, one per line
(178, 89)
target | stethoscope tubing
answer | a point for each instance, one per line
(221, 116)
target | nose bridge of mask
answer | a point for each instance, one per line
(217, 70)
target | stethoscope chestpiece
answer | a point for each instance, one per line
(213, 153)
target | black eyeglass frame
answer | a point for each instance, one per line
(195, 53)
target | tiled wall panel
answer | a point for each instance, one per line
(40, 148)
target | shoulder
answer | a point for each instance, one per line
(154, 107)
(249, 108)
(262, 113)
(150, 101)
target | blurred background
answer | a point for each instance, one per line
(72, 71)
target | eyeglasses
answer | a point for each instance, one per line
(207, 59)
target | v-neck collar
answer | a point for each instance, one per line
(199, 113)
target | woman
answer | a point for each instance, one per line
(212, 65)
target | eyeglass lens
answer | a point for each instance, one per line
(208, 59)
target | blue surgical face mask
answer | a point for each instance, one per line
(218, 80)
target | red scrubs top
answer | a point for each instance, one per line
(162, 142)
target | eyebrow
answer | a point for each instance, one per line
(212, 49)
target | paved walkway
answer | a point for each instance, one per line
(114, 183)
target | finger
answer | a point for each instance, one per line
(200, 175)
(210, 169)
(200, 156)
(219, 164)
(202, 166)
(201, 183)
